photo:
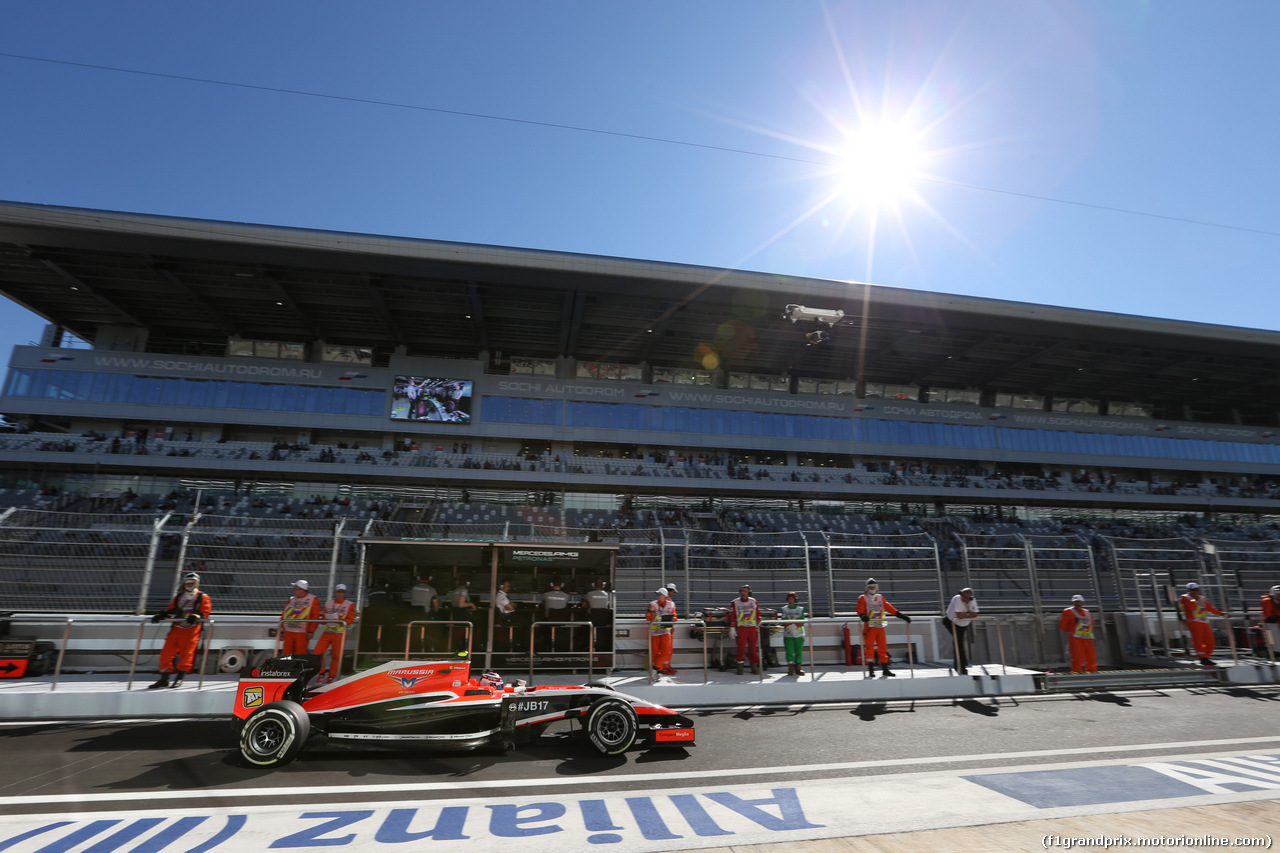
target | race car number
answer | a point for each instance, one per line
(530, 705)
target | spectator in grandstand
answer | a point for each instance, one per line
(793, 633)
(661, 616)
(187, 612)
(961, 612)
(300, 607)
(1194, 609)
(1271, 615)
(744, 627)
(340, 614)
(1077, 623)
(874, 610)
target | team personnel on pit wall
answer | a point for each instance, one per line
(1195, 610)
(188, 610)
(597, 598)
(793, 633)
(962, 610)
(1077, 623)
(874, 610)
(297, 631)
(662, 617)
(1271, 615)
(599, 605)
(333, 634)
(503, 617)
(555, 608)
(421, 594)
(744, 625)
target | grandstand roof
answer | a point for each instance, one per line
(193, 283)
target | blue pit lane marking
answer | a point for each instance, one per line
(1085, 786)
(1128, 783)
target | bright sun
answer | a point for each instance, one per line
(879, 165)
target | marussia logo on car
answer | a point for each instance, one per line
(406, 682)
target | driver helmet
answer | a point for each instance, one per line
(492, 680)
(872, 585)
(1275, 590)
(190, 576)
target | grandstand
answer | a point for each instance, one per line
(263, 402)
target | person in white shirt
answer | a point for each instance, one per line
(962, 610)
(503, 608)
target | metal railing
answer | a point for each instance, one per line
(591, 643)
(143, 622)
(207, 631)
(422, 635)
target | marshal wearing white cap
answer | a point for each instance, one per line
(339, 613)
(300, 607)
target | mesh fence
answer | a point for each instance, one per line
(1133, 560)
(249, 565)
(66, 562)
(999, 570)
(1064, 567)
(905, 566)
(644, 562)
(719, 563)
(53, 561)
(1255, 565)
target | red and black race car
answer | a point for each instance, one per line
(433, 704)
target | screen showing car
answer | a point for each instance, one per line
(426, 398)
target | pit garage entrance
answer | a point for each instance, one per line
(425, 596)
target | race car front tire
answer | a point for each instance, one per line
(611, 725)
(274, 734)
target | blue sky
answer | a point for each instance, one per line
(719, 128)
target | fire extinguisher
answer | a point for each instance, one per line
(852, 652)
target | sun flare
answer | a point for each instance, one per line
(879, 165)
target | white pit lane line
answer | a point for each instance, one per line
(689, 817)
(1183, 748)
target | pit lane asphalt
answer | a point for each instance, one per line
(116, 764)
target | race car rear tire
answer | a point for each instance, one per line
(611, 725)
(274, 734)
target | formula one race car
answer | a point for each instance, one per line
(434, 704)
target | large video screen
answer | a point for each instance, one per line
(425, 398)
